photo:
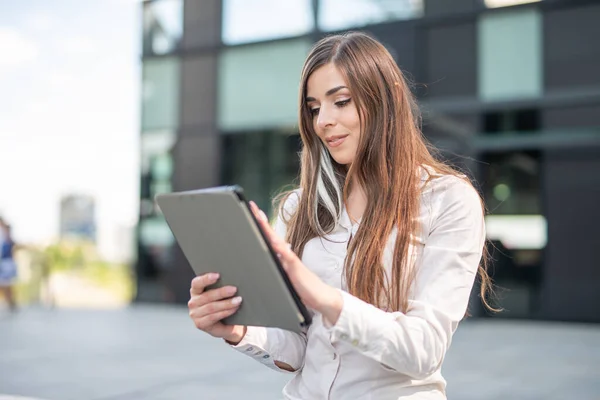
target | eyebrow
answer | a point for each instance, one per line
(328, 93)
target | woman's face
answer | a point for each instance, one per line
(334, 113)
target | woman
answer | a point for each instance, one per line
(384, 241)
(8, 268)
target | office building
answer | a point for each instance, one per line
(509, 90)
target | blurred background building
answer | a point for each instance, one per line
(510, 92)
(78, 217)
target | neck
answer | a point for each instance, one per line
(357, 202)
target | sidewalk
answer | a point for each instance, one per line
(155, 353)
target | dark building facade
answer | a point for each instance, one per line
(509, 92)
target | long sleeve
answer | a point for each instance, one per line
(268, 345)
(415, 343)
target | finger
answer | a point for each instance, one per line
(215, 307)
(287, 258)
(199, 283)
(254, 209)
(283, 248)
(209, 320)
(209, 296)
(213, 295)
(256, 212)
(263, 222)
(264, 216)
(272, 236)
(260, 214)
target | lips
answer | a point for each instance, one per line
(336, 140)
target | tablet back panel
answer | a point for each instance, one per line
(217, 233)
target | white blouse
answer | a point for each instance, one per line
(370, 353)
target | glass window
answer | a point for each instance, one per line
(153, 144)
(160, 93)
(343, 14)
(258, 85)
(156, 250)
(163, 26)
(155, 232)
(156, 169)
(249, 21)
(261, 162)
(520, 121)
(513, 197)
(506, 3)
(510, 54)
(516, 227)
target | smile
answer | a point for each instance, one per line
(336, 140)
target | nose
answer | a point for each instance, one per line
(325, 119)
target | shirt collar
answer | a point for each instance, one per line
(345, 221)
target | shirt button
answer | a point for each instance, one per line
(355, 342)
(344, 336)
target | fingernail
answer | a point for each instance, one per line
(236, 300)
(213, 276)
(231, 290)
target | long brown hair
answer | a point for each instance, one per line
(387, 166)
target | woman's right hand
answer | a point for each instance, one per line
(209, 307)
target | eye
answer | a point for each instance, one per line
(314, 111)
(342, 103)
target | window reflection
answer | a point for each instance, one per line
(160, 93)
(258, 85)
(157, 169)
(512, 183)
(163, 26)
(343, 14)
(506, 3)
(249, 21)
(510, 54)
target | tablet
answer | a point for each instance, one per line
(217, 232)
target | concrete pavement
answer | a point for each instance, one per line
(155, 353)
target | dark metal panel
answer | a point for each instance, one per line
(201, 24)
(571, 117)
(571, 50)
(450, 61)
(400, 40)
(444, 8)
(571, 276)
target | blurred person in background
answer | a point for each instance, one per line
(381, 241)
(8, 267)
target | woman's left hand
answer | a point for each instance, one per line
(313, 292)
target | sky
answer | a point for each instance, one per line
(69, 113)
